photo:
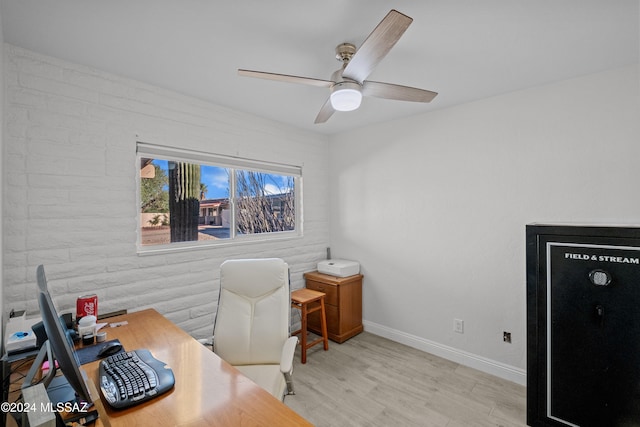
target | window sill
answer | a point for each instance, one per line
(204, 245)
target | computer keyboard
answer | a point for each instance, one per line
(133, 377)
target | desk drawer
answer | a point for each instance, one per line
(332, 292)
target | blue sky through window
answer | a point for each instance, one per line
(216, 180)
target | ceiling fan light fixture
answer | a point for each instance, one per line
(346, 96)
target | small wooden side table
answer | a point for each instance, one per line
(309, 301)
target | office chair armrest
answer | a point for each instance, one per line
(288, 352)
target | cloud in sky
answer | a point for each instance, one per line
(274, 189)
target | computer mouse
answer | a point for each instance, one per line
(109, 348)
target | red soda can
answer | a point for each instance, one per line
(86, 305)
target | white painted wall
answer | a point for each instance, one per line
(435, 206)
(70, 200)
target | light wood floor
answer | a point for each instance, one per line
(372, 381)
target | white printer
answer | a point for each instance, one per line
(339, 267)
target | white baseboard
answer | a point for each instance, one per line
(501, 370)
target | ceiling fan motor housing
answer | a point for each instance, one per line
(344, 52)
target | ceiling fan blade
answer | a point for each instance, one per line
(285, 78)
(397, 92)
(325, 112)
(377, 45)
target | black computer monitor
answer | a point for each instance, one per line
(60, 341)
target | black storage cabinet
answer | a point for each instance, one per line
(583, 325)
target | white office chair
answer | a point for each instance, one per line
(251, 330)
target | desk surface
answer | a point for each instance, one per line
(208, 391)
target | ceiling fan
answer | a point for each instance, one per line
(348, 84)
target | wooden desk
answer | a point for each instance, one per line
(208, 391)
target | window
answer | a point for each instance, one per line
(191, 199)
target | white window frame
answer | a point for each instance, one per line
(147, 150)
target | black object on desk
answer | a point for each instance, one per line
(127, 379)
(90, 353)
(110, 348)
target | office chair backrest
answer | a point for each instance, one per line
(252, 322)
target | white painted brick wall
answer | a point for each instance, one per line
(70, 196)
(2, 180)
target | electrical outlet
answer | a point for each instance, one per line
(506, 336)
(458, 326)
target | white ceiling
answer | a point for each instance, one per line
(463, 49)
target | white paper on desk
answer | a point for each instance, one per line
(116, 324)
